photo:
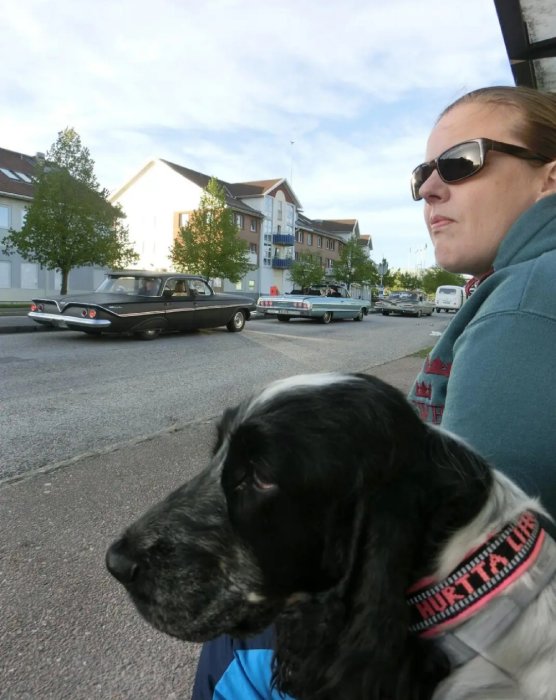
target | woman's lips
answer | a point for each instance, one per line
(437, 222)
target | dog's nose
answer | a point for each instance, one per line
(120, 564)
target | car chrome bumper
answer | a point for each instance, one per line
(69, 321)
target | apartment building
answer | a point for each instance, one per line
(21, 280)
(157, 201)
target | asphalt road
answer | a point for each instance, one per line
(93, 432)
(65, 394)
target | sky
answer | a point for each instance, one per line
(337, 97)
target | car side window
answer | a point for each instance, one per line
(180, 288)
(200, 288)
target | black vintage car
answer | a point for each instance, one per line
(145, 304)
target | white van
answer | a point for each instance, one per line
(449, 298)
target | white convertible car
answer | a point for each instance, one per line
(323, 303)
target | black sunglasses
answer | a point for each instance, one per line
(464, 160)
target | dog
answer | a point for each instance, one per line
(394, 562)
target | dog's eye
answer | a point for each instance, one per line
(261, 483)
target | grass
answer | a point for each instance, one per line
(422, 353)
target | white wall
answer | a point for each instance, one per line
(149, 204)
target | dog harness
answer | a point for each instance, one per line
(455, 609)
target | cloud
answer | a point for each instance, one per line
(224, 86)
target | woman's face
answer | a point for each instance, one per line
(468, 220)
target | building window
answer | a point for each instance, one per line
(4, 216)
(299, 236)
(184, 218)
(309, 239)
(251, 284)
(280, 207)
(238, 220)
(319, 241)
(5, 275)
(238, 286)
(9, 173)
(268, 238)
(29, 276)
(254, 225)
(253, 248)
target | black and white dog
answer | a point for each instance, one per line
(393, 561)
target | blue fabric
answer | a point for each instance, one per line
(226, 670)
(249, 677)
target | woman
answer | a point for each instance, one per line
(489, 192)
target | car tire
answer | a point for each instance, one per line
(283, 319)
(148, 334)
(326, 317)
(386, 313)
(237, 323)
(437, 311)
(359, 316)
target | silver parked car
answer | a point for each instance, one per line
(406, 303)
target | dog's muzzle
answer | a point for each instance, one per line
(120, 563)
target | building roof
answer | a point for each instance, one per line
(259, 188)
(529, 31)
(341, 227)
(307, 224)
(202, 180)
(16, 174)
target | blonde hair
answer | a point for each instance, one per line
(536, 126)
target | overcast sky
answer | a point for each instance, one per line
(336, 96)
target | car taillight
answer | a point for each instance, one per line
(34, 307)
(265, 302)
(92, 313)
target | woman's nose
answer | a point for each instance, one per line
(434, 187)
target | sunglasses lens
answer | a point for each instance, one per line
(460, 162)
(420, 174)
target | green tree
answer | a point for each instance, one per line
(354, 265)
(405, 280)
(306, 271)
(435, 277)
(70, 223)
(209, 244)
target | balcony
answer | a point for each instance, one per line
(283, 239)
(282, 263)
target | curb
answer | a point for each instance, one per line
(21, 324)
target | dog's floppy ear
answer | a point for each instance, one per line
(224, 426)
(391, 533)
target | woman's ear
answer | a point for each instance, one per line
(549, 182)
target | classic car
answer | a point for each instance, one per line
(412, 302)
(321, 302)
(145, 304)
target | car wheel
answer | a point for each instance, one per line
(386, 313)
(437, 311)
(359, 316)
(149, 334)
(237, 323)
(327, 317)
(283, 319)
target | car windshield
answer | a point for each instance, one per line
(446, 291)
(130, 284)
